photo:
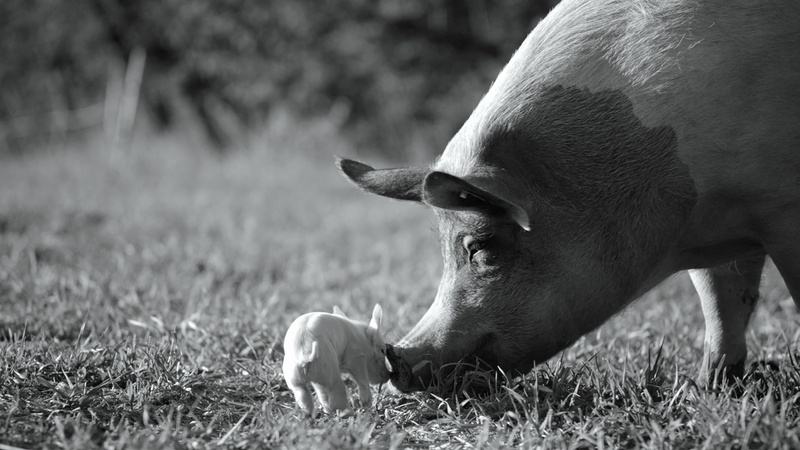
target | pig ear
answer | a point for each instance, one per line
(401, 184)
(446, 191)
(338, 312)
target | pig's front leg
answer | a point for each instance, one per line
(302, 395)
(323, 396)
(364, 393)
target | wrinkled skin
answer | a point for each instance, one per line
(652, 143)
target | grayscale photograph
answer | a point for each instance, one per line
(399, 224)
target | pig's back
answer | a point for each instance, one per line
(332, 335)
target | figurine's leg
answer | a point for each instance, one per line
(338, 397)
(322, 395)
(361, 378)
(302, 395)
(364, 393)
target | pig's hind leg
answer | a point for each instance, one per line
(333, 397)
(784, 249)
(326, 379)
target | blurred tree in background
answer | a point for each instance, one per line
(392, 74)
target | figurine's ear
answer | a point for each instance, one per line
(377, 316)
(373, 330)
(338, 312)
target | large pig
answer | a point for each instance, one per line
(625, 141)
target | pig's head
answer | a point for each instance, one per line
(376, 363)
(549, 224)
(495, 299)
(377, 372)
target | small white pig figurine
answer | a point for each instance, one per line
(319, 347)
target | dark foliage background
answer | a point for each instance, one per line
(393, 75)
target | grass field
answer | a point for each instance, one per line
(143, 303)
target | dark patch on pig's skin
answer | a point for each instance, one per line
(593, 176)
(591, 165)
(607, 197)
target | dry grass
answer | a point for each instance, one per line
(143, 304)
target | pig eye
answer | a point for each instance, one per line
(473, 246)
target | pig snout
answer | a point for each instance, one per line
(402, 375)
(416, 368)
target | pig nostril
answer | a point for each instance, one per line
(400, 372)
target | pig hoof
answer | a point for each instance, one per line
(400, 372)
